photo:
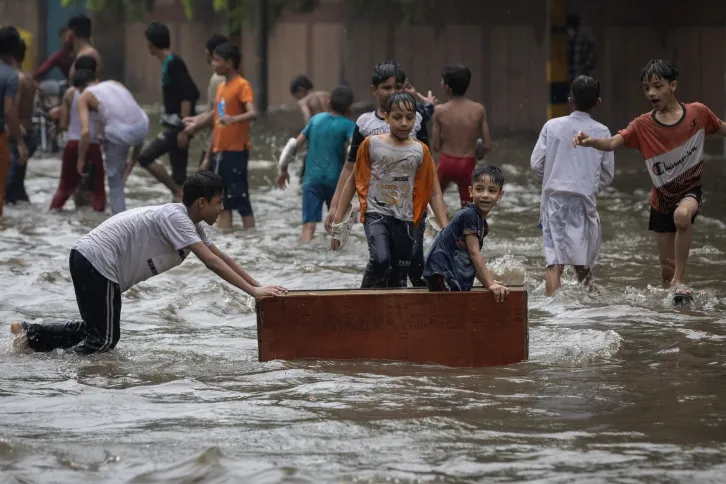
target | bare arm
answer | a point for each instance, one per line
(499, 291)
(11, 119)
(722, 128)
(345, 174)
(345, 198)
(202, 121)
(85, 118)
(305, 110)
(437, 203)
(436, 135)
(65, 117)
(217, 265)
(482, 273)
(249, 114)
(234, 266)
(485, 136)
(602, 144)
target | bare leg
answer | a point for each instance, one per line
(553, 278)
(225, 220)
(248, 222)
(682, 218)
(666, 254)
(308, 231)
(160, 174)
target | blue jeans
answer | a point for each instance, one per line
(15, 187)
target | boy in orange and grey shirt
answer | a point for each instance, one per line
(228, 153)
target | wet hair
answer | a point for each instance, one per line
(215, 41)
(202, 184)
(585, 91)
(341, 99)
(659, 68)
(457, 77)
(491, 171)
(400, 98)
(230, 53)
(387, 69)
(20, 50)
(300, 83)
(83, 77)
(86, 62)
(158, 35)
(9, 40)
(80, 25)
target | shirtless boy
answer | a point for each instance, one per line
(458, 124)
(25, 102)
(80, 35)
(310, 101)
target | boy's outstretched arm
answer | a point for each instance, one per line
(482, 273)
(218, 265)
(602, 144)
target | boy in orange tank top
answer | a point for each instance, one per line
(228, 153)
(671, 139)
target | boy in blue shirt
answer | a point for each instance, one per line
(326, 134)
(455, 258)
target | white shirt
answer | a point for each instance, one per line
(141, 243)
(124, 120)
(567, 170)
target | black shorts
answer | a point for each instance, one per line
(166, 143)
(232, 167)
(663, 223)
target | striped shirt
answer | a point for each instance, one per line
(673, 153)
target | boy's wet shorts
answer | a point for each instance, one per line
(664, 223)
(232, 167)
(313, 197)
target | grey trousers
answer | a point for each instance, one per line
(115, 157)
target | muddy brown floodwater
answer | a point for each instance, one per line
(621, 386)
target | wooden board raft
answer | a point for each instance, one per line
(460, 329)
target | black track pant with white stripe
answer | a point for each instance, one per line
(99, 301)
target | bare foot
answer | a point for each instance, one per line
(21, 339)
(680, 288)
(16, 328)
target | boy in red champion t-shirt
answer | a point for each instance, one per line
(670, 138)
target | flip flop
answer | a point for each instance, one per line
(341, 231)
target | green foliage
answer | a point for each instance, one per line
(239, 11)
(132, 8)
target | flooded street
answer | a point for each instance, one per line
(620, 386)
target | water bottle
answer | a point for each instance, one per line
(220, 109)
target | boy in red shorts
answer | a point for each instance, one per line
(670, 138)
(458, 125)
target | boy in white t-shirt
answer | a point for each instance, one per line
(129, 248)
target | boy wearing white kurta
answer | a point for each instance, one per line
(571, 180)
